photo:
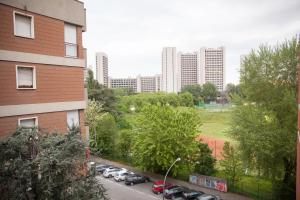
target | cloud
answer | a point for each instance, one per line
(133, 32)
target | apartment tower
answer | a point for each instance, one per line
(42, 63)
(102, 68)
(148, 83)
(169, 70)
(212, 66)
(188, 69)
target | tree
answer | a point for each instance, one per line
(36, 165)
(195, 90)
(186, 99)
(106, 131)
(265, 119)
(164, 133)
(232, 90)
(209, 92)
(93, 114)
(101, 93)
(124, 144)
(205, 162)
(231, 164)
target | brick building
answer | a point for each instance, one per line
(42, 64)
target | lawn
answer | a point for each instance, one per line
(215, 124)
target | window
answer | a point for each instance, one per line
(23, 25)
(70, 40)
(28, 122)
(26, 77)
(73, 118)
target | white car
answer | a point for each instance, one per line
(108, 173)
(120, 176)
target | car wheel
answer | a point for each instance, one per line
(158, 193)
(110, 176)
(131, 183)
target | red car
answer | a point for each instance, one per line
(157, 186)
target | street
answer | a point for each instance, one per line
(120, 191)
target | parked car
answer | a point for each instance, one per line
(208, 197)
(191, 194)
(158, 186)
(174, 191)
(134, 179)
(101, 167)
(120, 176)
(110, 172)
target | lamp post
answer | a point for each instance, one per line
(178, 159)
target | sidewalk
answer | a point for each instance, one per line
(225, 196)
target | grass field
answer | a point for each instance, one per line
(215, 124)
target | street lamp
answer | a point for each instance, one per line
(178, 159)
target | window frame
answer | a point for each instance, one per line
(33, 78)
(26, 118)
(31, 24)
(71, 44)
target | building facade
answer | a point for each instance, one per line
(169, 70)
(126, 83)
(188, 69)
(102, 68)
(42, 63)
(212, 66)
(148, 83)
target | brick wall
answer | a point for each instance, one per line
(54, 84)
(48, 32)
(47, 122)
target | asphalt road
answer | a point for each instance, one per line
(120, 191)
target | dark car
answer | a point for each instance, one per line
(191, 194)
(134, 179)
(174, 192)
(208, 197)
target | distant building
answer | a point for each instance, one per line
(126, 83)
(188, 69)
(42, 62)
(148, 83)
(169, 70)
(212, 66)
(102, 68)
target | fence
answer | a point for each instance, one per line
(214, 107)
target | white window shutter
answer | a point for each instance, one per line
(25, 77)
(23, 25)
(73, 118)
(70, 34)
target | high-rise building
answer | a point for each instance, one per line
(102, 68)
(148, 83)
(212, 66)
(169, 70)
(126, 83)
(42, 63)
(188, 69)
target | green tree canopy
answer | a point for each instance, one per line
(209, 92)
(195, 90)
(36, 165)
(205, 162)
(265, 120)
(163, 134)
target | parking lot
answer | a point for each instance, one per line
(120, 191)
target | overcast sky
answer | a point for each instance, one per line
(133, 32)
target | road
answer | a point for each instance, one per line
(120, 191)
